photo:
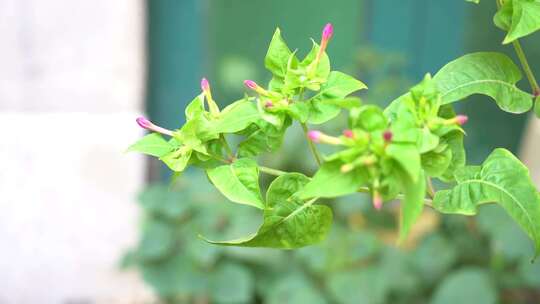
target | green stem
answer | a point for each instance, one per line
(271, 171)
(227, 147)
(526, 67)
(430, 188)
(312, 147)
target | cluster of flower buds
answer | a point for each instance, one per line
(148, 125)
(212, 106)
(377, 200)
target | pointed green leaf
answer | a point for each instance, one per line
(407, 157)
(288, 221)
(491, 74)
(525, 19)
(340, 85)
(412, 205)
(277, 56)
(329, 181)
(195, 107)
(501, 179)
(152, 144)
(177, 160)
(236, 117)
(239, 182)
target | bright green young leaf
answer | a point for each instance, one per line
(491, 74)
(321, 112)
(239, 182)
(340, 85)
(178, 159)
(263, 137)
(368, 117)
(501, 179)
(537, 107)
(412, 205)
(427, 141)
(288, 221)
(525, 18)
(435, 164)
(152, 144)
(454, 141)
(329, 181)
(195, 107)
(277, 56)
(407, 156)
(236, 117)
(323, 68)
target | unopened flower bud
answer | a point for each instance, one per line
(268, 104)
(377, 200)
(212, 106)
(314, 136)
(148, 125)
(328, 31)
(461, 119)
(251, 84)
(205, 86)
(348, 133)
(387, 136)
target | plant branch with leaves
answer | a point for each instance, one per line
(391, 154)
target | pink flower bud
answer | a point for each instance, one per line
(348, 133)
(461, 119)
(148, 125)
(387, 135)
(205, 86)
(251, 84)
(314, 136)
(328, 31)
(377, 200)
(268, 104)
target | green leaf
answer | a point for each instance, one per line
(435, 164)
(177, 160)
(427, 141)
(277, 56)
(321, 112)
(152, 144)
(236, 117)
(368, 117)
(339, 85)
(195, 107)
(525, 19)
(323, 68)
(329, 181)
(491, 74)
(413, 204)
(239, 182)
(289, 222)
(454, 141)
(262, 138)
(407, 156)
(501, 179)
(468, 285)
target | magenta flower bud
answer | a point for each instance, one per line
(387, 135)
(268, 104)
(205, 86)
(314, 136)
(328, 31)
(348, 133)
(461, 119)
(148, 125)
(377, 200)
(251, 84)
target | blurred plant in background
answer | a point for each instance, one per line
(444, 261)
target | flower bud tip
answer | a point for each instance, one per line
(461, 119)
(377, 201)
(387, 135)
(143, 122)
(205, 86)
(328, 31)
(268, 104)
(348, 133)
(250, 84)
(314, 135)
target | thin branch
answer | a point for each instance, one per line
(271, 171)
(312, 147)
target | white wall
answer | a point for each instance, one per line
(71, 85)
